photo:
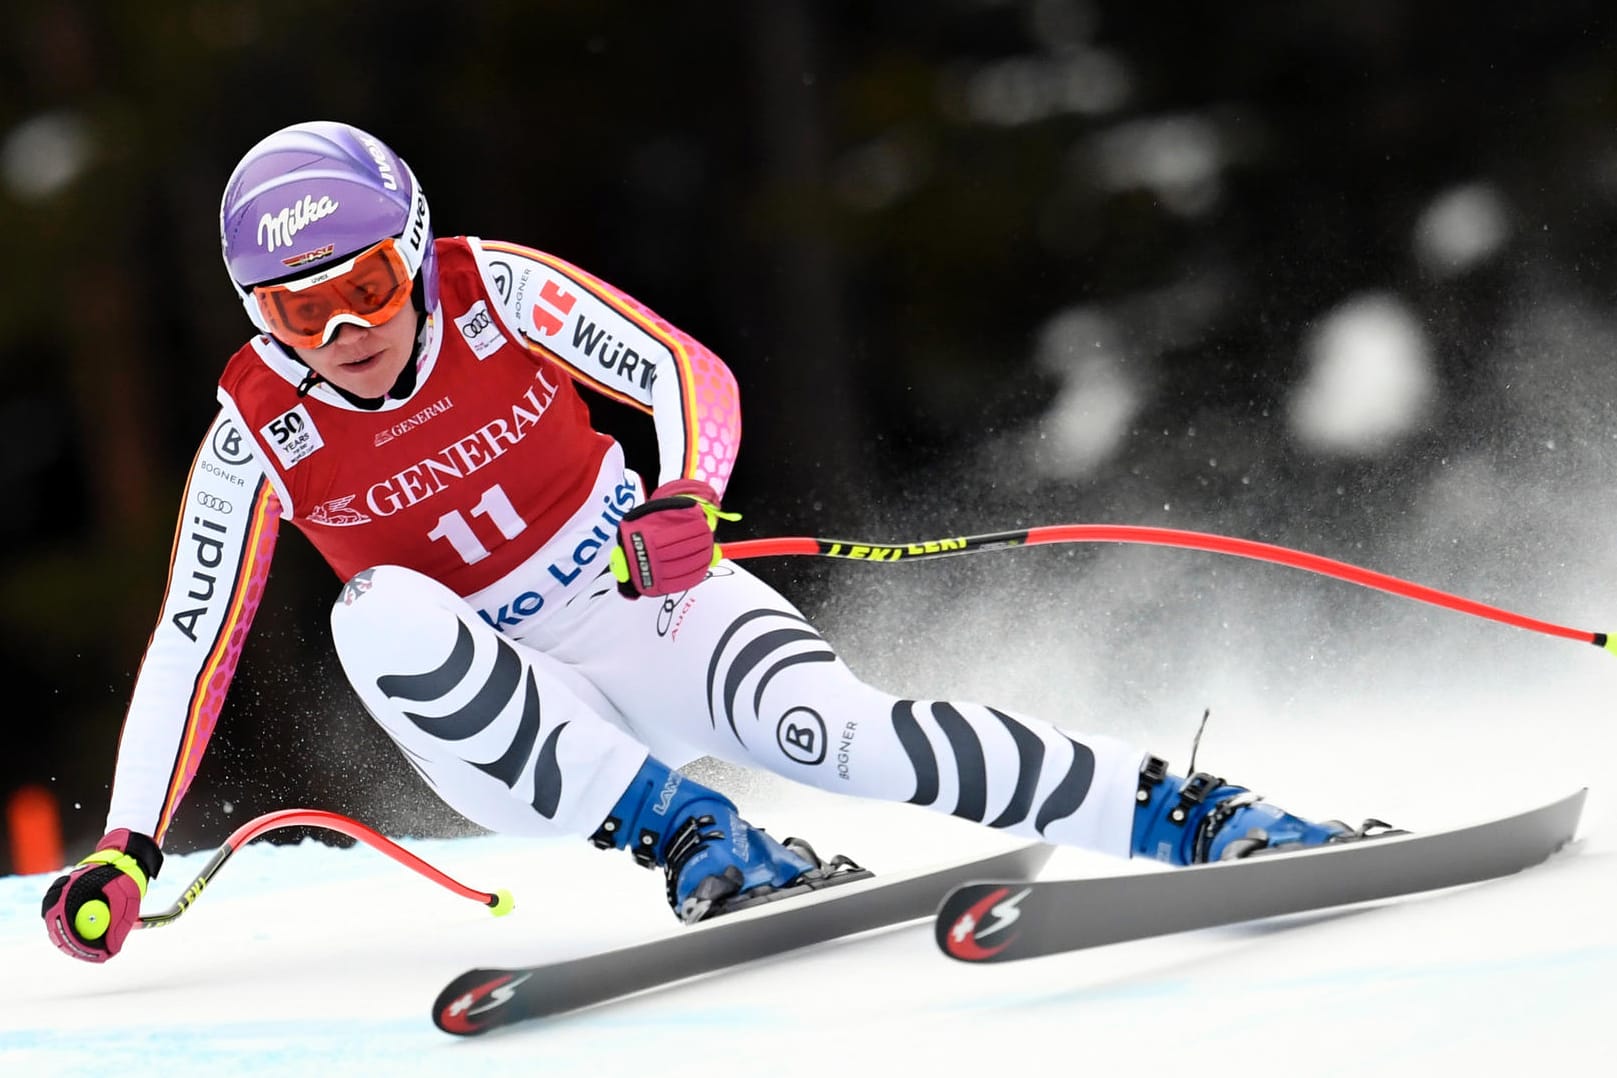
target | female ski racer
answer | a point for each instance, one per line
(411, 405)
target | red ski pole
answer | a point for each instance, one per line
(499, 902)
(855, 550)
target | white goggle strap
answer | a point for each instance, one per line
(253, 313)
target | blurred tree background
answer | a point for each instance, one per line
(976, 263)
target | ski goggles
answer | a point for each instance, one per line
(366, 290)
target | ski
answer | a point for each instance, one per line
(1014, 919)
(483, 999)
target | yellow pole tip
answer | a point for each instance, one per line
(503, 903)
(1611, 644)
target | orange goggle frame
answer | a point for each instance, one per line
(366, 290)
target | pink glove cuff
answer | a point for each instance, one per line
(687, 488)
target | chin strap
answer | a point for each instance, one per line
(405, 384)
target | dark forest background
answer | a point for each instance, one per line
(902, 224)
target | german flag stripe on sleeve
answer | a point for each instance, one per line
(208, 693)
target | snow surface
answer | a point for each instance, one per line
(322, 961)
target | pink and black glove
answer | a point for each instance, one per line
(90, 911)
(666, 545)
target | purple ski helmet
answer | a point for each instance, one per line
(313, 195)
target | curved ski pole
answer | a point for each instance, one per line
(852, 550)
(499, 902)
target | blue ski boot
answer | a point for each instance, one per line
(1200, 819)
(715, 861)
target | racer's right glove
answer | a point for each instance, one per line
(91, 910)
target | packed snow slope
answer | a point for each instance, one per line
(314, 960)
